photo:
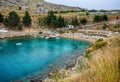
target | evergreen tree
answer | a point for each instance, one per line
(27, 21)
(96, 18)
(50, 18)
(13, 20)
(55, 23)
(75, 22)
(83, 21)
(61, 21)
(1, 18)
(52, 21)
(6, 22)
(105, 18)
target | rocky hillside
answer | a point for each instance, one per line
(34, 6)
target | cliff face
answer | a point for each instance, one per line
(34, 6)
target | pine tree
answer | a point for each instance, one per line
(105, 18)
(27, 21)
(50, 18)
(6, 22)
(13, 20)
(75, 22)
(1, 18)
(61, 21)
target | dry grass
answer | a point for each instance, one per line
(104, 65)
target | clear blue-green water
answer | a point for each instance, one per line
(34, 54)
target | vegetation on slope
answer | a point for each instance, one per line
(104, 65)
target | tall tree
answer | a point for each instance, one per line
(105, 18)
(75, 22)
(50, 18)
(1, 18)
(27, 21)
(6, 22)
(61, 21)
(13, 19)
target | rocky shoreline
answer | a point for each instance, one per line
(43, 76)
(14, 34)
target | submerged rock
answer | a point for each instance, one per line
(18, 44)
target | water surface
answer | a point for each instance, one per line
(23, 56)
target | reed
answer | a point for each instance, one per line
(104, 64)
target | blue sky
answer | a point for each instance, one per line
(90, 4)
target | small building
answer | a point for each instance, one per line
(70, 26)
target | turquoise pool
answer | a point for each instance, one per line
(23, 56)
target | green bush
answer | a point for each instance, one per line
(88, 54)
(97, 45)
(40, 32)
(99, 40)
(101, 44)
(83, 21)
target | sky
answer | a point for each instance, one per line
(90, 4)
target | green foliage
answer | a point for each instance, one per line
(50, 18)
(1, 18)
(6, 22)
(75, 21)
(93, 10)
(99, 18)
(20, 27)
(13, 20)
(103, 10)
(42, 21)
(27, 21)
(83, 21)
(115, 27)
(40, 32)
(61, 21)
(100, 44)
(52, 21)
(97, 45)
(99, 40)
(87, 13)
(55, 23)
(19, 8)
(88, 54)
(105, 18)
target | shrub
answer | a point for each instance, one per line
(101, 44)
(83, 21)
(40, 32)
(105, 18)
(99, 40)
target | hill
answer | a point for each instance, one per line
(34, 6)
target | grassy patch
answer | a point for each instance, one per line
(97, 45)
